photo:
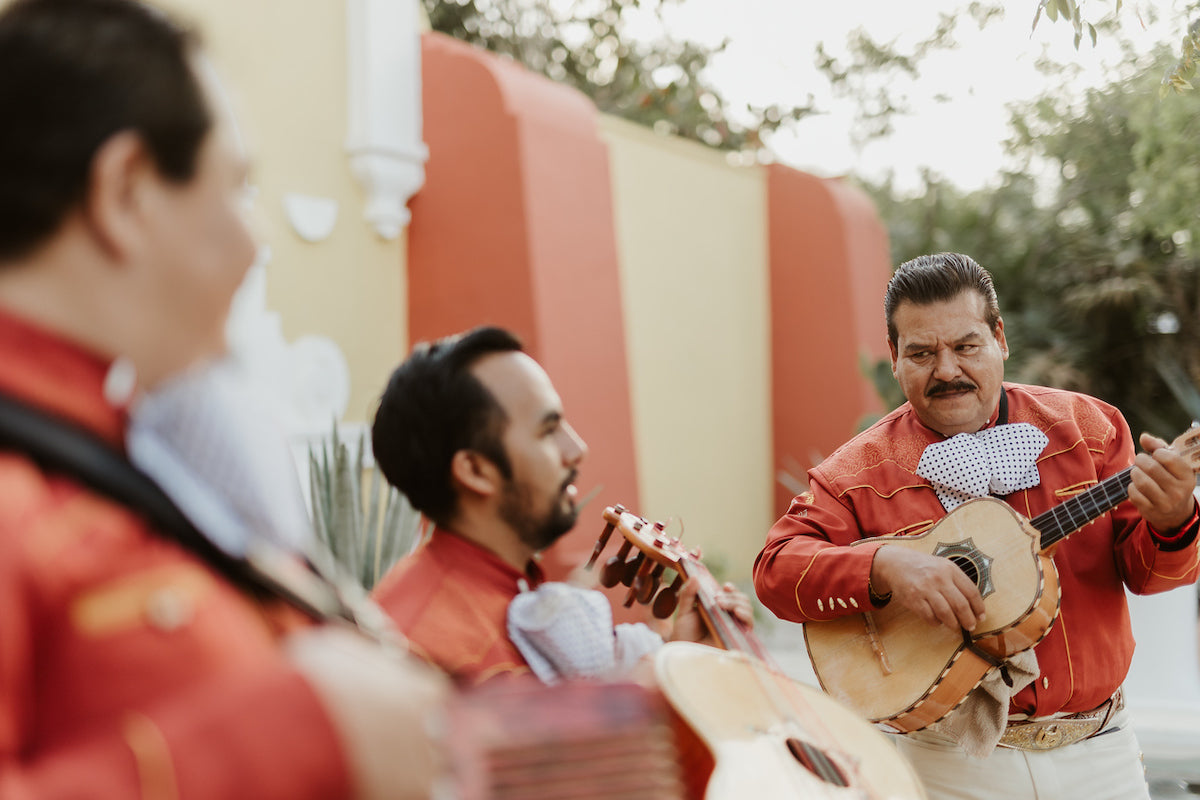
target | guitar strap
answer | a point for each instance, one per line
(63, 447)
(987, 658)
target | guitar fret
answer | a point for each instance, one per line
(1071, 515)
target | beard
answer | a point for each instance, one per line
(537, 531)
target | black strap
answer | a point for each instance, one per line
(60, 446)
(986, 657)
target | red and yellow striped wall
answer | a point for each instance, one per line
(704, 323)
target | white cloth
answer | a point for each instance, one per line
(566, 633)
(1105, 767)
(218, 453)
(979, 722)
(998, 460)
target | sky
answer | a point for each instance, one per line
(770, 58)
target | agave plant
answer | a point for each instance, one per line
(366, 529)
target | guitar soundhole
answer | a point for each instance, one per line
(968, 566)
(971, 560)
(817, 762)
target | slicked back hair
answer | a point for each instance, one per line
(937, 278)
(433, 407)
(73, 73)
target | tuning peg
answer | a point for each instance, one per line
(631, 568)
(667, 599)
(647, 585)
(601, 543)
(614, 568)
(640, 576)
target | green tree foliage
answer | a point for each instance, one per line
(1098, 274)
(1179, 73)
(653, 80)
(874, 74)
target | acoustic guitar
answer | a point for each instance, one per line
(760, 733)
(898, 670)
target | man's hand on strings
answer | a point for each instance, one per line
(932, 587)
(1162, 486)
(689, 622)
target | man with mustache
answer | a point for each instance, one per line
(471, 430)
(948, 349)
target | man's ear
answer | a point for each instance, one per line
(113, 202)
(894, 353)
(475, 473)
(1001, 340)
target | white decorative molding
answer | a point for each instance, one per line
(383, 137)
(306, 383)
(312, 218)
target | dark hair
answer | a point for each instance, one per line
(433, 407)
(72, 74)
(935, 278)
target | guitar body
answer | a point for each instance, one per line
(894, 668)
(752, 735)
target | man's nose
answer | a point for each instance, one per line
(574, 447)
(945, 365)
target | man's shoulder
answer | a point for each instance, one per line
(425, 585)
(1051, 410)
(450, 617)
(893, 440)
(46, 517)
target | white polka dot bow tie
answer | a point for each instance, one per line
(998, 460)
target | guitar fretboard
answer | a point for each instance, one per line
(1068, 517)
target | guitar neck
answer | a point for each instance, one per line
(727, 629)
(1065, 518)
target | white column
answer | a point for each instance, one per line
(383, 137)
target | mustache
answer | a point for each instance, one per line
(952, 386)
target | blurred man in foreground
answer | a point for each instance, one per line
(135, 661)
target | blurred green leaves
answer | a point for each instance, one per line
(648, 77)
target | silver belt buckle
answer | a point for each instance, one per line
(1050, 734)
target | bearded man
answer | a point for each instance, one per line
(471, 430)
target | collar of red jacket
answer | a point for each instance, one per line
(58, 376)
(453, 549)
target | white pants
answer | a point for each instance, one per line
(1105, 767)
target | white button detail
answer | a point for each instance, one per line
(168, 609)
(120, 382)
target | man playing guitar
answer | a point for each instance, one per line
(965, 433)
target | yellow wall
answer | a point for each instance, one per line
(690, 234)
(692, 243)
(285, 66)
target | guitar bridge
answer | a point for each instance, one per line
(877, 643)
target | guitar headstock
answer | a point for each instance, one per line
(1187, 445)
(645, 555)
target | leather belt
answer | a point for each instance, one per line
(1055, 732)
